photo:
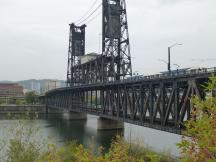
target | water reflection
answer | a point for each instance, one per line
(59, 131)
(157, 140)
(84, 131)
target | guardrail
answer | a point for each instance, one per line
(177, 73)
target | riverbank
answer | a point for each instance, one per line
(13, 109)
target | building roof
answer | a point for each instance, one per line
(9, 85)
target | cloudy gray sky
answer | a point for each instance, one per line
(34, 35)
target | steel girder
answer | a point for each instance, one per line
(162, 104)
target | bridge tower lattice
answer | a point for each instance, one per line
(115, 41)
(75, 51)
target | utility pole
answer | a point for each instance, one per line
(169, 69)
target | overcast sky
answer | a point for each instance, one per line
(34, 35)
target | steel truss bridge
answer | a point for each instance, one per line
(159, 102)
(102, 86)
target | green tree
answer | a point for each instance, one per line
(31, 97)
(2, 101)
(199, 142)
(19, 102)
(23, 145)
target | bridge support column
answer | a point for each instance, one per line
(107, 124)
(74, 116)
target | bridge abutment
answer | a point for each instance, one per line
(108, 124)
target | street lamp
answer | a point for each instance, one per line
(169, 49)
(178, 66)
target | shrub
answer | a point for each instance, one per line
(199, 144)
(22, 147)
(120, 151)
(31, 97)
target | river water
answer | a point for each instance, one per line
(57, 130)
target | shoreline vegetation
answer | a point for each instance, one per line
(29, 98)
(120, 151)
(198, 143)
(24, 148)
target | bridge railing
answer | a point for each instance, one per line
(170, 74)
(180, 73)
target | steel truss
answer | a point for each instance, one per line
(75, 51)
(115, 44)
(115, 61)
(162, 104)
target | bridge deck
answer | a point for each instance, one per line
(160, 101)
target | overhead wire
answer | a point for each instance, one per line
(90, 14)
(86, 13)
(87, 22)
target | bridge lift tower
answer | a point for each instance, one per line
(75, 51)
(115, 40)
(115, 61)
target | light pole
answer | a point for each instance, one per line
(169, 49)
(178, 66)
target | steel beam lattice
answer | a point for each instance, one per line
(160, 103)
(75, 51)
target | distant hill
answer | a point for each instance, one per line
(6, 81)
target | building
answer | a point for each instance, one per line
(48, 85)
(41, 86)
(88, 57)
(30, 85)
(11, 90)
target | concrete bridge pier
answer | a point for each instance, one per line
(65, 114)
(74, 116)
(108, 124)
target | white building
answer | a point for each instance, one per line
(88, 57)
